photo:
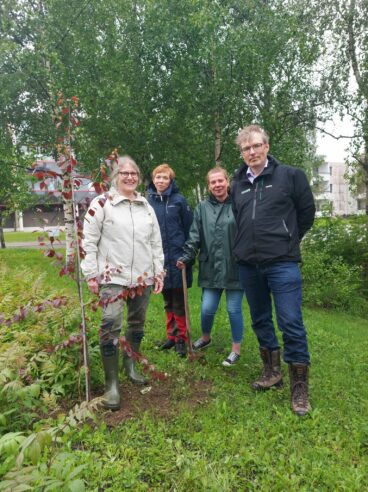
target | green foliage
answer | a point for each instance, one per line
(229, 64)
(335, 264)
(331, 283)
(39, 465)
(32, 375)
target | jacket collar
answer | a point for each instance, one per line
(241, 173)
(116, 197)
(213, 200)
(172, 188)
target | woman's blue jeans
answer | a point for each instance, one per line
(210, 302)
(283, 280)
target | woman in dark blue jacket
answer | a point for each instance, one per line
(174, 217)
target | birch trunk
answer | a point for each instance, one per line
(217, 139)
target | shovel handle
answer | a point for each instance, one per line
(186, 307)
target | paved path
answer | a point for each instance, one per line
(34, 244)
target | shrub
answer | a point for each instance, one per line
(335, 264)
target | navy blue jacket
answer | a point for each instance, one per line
(175, 218)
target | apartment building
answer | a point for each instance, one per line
(331, 191)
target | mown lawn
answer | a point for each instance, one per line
(227, 438)
(26, 236)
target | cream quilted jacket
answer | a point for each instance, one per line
(122, 241)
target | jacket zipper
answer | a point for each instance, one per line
(254, 202)
(253, 217)
(286, 228)
(131, 265)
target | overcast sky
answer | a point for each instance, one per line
(335, 150)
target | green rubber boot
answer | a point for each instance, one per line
(129, 366)
(110, 360)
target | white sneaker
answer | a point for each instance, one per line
(231, 360)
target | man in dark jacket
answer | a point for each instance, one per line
(273, 206)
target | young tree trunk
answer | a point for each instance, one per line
(2, 238)
(70, 246)
(217, 139)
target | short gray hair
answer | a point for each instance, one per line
(246, 132)
(121, 162)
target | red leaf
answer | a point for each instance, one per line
(42, 185)
(75, 121)
(65, 110)
(67, 195)
(49, 253)
(98, 188)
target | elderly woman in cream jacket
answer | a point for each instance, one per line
(123, 250)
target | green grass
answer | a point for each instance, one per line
(29, 236)
(234, 439)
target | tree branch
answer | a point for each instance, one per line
(334, 136)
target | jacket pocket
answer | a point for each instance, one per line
(273, 238)
(204, 266)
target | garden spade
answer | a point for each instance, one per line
(192, 355)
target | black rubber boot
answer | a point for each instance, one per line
(169, 344)
(110, 361)
(180, 347)
(271, 376)
(129, 366)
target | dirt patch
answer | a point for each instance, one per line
(160, 398)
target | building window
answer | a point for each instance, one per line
(330, 187)
(330, 168)
(361, 203)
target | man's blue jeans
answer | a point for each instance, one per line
(210, 302)
(283, 280)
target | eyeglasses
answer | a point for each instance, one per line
(126, 174)
(248, 148)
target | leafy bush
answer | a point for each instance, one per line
(335, 264)
(33, 375)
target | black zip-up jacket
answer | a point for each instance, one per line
(272, 214)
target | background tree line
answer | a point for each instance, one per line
(175, 80)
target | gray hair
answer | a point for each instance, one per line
(246, 132)
(122, 162)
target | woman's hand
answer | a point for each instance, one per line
(93, 286)
(158, 286)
